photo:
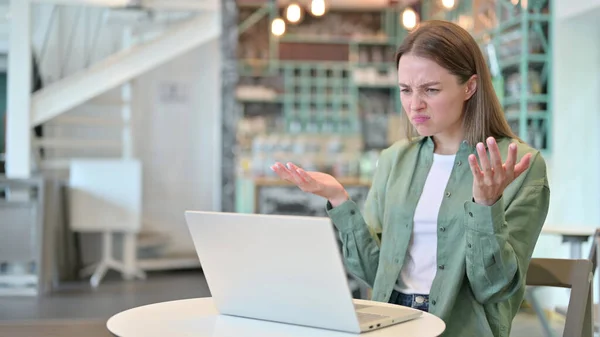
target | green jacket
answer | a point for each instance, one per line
(483, 252)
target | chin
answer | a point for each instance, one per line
(424, 131)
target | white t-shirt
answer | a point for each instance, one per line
(420, 266)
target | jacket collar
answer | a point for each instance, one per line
(464, 150)
(464, 145)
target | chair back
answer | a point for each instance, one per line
(568, 273)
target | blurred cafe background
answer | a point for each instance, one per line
(116, 116)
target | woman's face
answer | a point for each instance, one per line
(431, 96)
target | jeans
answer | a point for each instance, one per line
(417, 301)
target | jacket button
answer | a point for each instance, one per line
(459, 163)
(441, 266)
(352, 212)
(469, 245)
(433, 302)
(448, 194)
(443, 229)
(471, 214)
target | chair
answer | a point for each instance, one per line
(106, 197)
(593, 257)
(594, 252)
(568, 273)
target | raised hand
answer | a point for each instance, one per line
(490, 180)
(317, 183)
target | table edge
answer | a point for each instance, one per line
(207, 299)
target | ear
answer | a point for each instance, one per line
(470, 87)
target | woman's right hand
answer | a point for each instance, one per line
(317, 183)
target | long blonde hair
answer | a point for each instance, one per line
(454, 49)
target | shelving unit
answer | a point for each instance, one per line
(319, 99)
(515, 37)
(322, 75)
(520, 34)
(324, 93)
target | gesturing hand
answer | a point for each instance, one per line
(317, 183)
(491, 179)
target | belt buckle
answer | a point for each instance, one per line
(419, 299)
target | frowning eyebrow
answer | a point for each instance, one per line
(427, 84)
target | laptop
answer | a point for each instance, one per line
(285, 269)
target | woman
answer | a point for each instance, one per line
(453, 215)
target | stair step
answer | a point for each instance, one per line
(113, 102)
(147, 240)
(88, 121)
(77, 143)
(64, 164)
(55, 164)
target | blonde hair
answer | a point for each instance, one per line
(454, 49)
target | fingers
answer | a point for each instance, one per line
(477, 175)
(292, 167)
(522, 165)
(495, 157)
(294, 174)
(304, 175)
(484, 161)
(282, 171)
(511, 158)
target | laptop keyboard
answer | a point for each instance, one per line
(364, 317)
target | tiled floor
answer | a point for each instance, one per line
(78, 310)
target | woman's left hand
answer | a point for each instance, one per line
(490, 180)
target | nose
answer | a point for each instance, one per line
(416, 102)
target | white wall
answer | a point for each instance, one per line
(179, 142)
(570, 9)
(574, 163)
(576, 119)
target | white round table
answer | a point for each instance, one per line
(199, 317)
(576, 235)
